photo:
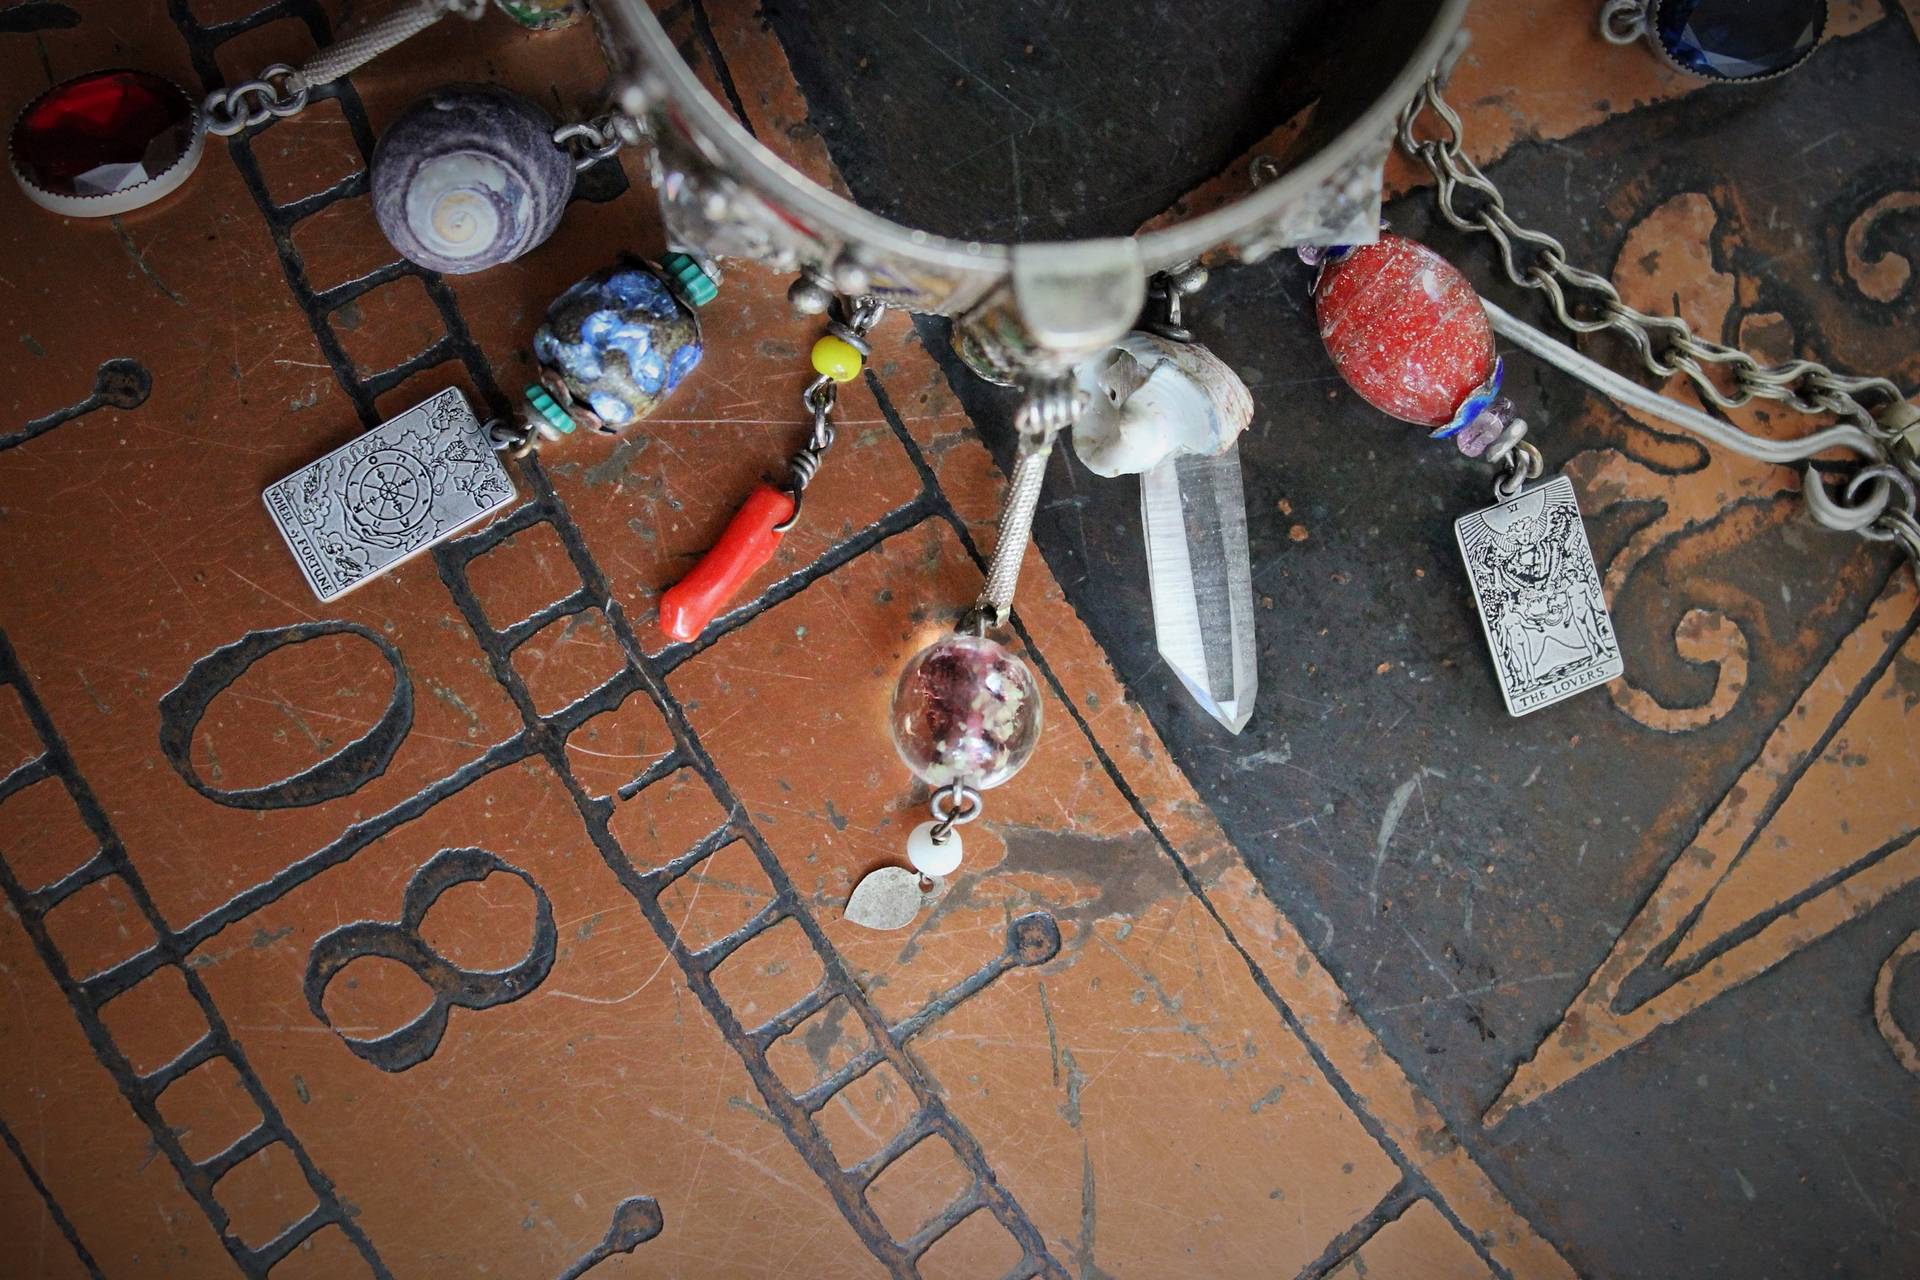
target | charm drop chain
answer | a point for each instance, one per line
(1878, 502)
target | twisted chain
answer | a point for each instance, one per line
(281, 90)
(1666, 345)
(1878, 502)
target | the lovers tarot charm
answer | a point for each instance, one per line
(1538, 590)
(410, 482)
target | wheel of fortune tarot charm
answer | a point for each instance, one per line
(1408, 333)
(409, 483)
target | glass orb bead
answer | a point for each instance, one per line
(1738, 39)
(619, 342)
(1407, 331)
(105, 143)
(966, 710)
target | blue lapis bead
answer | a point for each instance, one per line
(621, 340)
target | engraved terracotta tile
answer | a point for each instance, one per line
(34, 1244)
(208, 1110)
(307, 153)
(85, 1146)
(48, 837)
(156, 1021)
(1417, 1245)
(613, 749)
(327, 1254)
(341, 242)
(1118, 1009)
(446, 968)
(607, 1044)
(567, 659)
(265, 1194)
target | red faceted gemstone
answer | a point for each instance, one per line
(1404, 329)
(102, 133)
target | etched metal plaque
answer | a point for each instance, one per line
(405, 485)
(1539, 595)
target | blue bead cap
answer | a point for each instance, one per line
(1474, 404)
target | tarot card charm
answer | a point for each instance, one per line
(1538, 591)
(410, 482)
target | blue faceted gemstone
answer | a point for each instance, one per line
(1739, 39)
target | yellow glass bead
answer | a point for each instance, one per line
(837, 358)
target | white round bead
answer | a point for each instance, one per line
(931, 859)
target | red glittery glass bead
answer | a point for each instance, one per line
(1404, 329)
(103, 134)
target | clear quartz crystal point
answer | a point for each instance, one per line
(1195, 515)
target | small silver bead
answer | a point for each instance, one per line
(808, 296)
(850, 278)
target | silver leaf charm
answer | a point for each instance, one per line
(1539, 594)
(889, 898)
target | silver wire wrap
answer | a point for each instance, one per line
(1871, 503)
(819, 398)
(281, 91)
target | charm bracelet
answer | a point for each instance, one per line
(1091, 333)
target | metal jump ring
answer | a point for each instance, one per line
(956, 796)
(1523, 464)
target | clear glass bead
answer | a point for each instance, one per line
(966, 710)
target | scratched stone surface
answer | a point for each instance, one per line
(467, 926)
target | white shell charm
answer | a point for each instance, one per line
(1151, 399)
(889, 898)
(469, 177)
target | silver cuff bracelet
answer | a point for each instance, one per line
(1026, 313)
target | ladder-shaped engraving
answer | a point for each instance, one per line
(320, 305)
(143, 1091)
(1031, 939)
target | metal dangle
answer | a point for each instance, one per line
(435, 470)
(1408, 333)
(1729, 41)
(966, 711)
(754, 533)
(1876, 424)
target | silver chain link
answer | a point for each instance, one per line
(819, 399)
(1588, 303)
(281, 91)
(1666, 345)
(597, 138)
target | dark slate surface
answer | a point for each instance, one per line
(1770, 1133)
